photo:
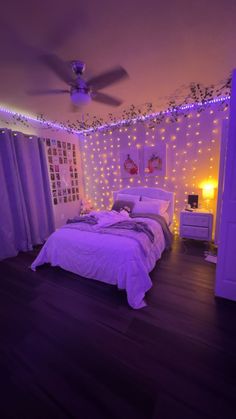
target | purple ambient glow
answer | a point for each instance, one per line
(153, 115)
(51, 124)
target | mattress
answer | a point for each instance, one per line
(108, 258)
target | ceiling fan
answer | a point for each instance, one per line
(81, 91)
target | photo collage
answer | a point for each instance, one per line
(63, 171)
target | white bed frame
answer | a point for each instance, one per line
(154, 193)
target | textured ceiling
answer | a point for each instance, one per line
(163, 45)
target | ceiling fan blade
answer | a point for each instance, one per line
(65, 25)
(38, 92)
(16, 49)
(59, 67)
(106, 99)
(107, 78)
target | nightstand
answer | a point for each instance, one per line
(196, 224)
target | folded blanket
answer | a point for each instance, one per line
(101, 218)
(88, 219)
(138, 226)
(161, 220)
(103, 223)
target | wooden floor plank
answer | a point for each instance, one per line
(72, 347)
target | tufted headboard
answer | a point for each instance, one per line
(154, 193)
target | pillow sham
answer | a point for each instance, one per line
(149, 207)
(163, 205)
(119, 204)
(127, 197)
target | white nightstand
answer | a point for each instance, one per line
(196, 224)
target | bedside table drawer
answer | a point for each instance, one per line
(195, 220)
(195, 232)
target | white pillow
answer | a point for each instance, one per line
(127, 197)
(164, 205)
(152, 206)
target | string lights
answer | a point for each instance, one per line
(193, 158)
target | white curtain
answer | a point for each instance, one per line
(26, 212)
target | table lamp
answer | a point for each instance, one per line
(208, 193)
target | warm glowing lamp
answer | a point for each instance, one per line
(208, 193)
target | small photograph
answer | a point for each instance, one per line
(59, 152)
(54, 193)
(55, 160)
(49, 159)
(73, 197)
(58, 176)
(51, 168)
(59, 192)
(53, 185)
(54, 152)
(77, 196)
(49, 151)
(74, 161)
(70, 198)
(54, 142)
(63, 144)
(59, 144)
(48, 142)
(58, 184)
(68, 146)
(56, 168)
(60, 160)
(65, 198)
(65, 161)
(55, 201)
(60, 200)
(52, 176)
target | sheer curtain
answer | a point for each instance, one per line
(26, 212)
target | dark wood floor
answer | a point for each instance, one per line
(72, 348)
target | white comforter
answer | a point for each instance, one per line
(108, 258)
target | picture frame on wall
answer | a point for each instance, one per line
(129, 163)
(155, 160)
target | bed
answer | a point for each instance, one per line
(116, 256)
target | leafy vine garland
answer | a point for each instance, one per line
(177, 105)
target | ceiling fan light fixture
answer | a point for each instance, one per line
(80, 97)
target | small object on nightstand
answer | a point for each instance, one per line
(196, 224)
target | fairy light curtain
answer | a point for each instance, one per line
(26, 211)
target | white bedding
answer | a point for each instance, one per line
(105, 257)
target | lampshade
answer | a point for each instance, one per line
(208, 191)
